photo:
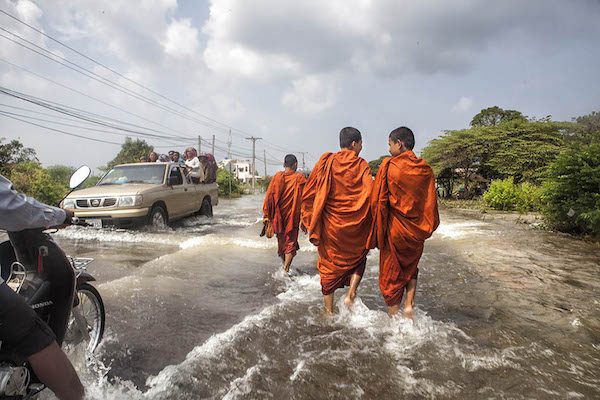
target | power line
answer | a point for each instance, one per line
(116, 86)
(91, 97)
(273, 145)
(91, 118)
(109, 68)
(58, 130)
(74, 112)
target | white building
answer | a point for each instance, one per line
(240, 169)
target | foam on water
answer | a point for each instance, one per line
(216, 240)
(459, 230)
(107, 235)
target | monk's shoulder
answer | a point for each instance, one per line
(324, 157)
(322, 161)
(363, 164)
(300, 177)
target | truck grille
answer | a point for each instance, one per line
(96, 202)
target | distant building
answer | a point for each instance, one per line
(240, 169)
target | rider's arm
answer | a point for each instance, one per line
(18, 212)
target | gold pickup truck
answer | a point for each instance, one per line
(145, 193)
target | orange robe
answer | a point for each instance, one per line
(335, 210)
(282, 207)
(405, 213)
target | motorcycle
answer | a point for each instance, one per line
(58, 288)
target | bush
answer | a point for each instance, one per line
(572, 191)
(505, 195)
(229, 186)
(529, 197)
(501, 195)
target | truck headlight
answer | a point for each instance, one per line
(68, 203)
(130, 201)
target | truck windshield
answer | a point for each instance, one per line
(151, 174)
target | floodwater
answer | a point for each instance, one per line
(204, 311)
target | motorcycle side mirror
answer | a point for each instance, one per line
(79, 176)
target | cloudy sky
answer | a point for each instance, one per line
(291, 72)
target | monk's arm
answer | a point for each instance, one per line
(379, 202)
(268, 203)
(308, 198)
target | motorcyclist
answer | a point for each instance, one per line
(20, 327)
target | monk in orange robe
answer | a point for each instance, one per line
(405, 213)
(335, 211)
(282, 208)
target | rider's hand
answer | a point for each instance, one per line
(69, 217)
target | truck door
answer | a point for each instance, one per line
(176, 194)
(192, 204)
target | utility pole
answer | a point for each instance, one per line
(303, 163)
(230, 161)
(254, 139)
(199, 144)
(213, 145)
(229, 145)
(265, 158)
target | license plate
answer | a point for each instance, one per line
(96, 223)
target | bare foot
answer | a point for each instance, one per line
(286, 269)
(349, 300)
(408, 311)
(327, 312)
(393, 310)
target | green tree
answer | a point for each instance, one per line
(131, 152)
(35, 181)
(586, 129)
(572, 191)
(492, 116)
(460, 152)
(374, 164)
(61, 173)
(12, 153)
(524, 149)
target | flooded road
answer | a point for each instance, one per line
(203, 311)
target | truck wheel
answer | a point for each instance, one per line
(206, 208)
(158, 217)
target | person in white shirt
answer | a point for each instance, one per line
(193, 165)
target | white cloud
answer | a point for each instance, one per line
(310, 94)
(463, 104)
(181, 38)
(387, 37)
(28, 11)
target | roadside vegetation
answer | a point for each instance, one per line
(506, 161)
(229, 186)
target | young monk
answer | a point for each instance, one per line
(335, 211)
(405, 213)
(282, 208)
